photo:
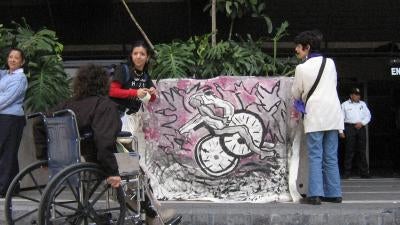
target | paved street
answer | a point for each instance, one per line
(366, 201)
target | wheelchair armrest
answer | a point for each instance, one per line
(33, 115)
(124, 134)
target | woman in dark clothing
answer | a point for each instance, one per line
(97, 114)
(13, 86)
(131, 84)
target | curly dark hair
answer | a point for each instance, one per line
(310, 37)
(90, 80)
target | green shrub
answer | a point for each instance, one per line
(48, 83)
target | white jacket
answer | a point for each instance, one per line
(323, 110)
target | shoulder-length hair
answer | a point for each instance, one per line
(21, 52)
(90, 80)
(149, 52)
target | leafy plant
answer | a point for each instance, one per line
(6, 40)
(173, 61)
(199, 59)
(274, 65)
(47, 82)
(236, 9)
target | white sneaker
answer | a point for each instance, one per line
(167, 214)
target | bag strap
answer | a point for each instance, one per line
(126, 72)
(321, 69)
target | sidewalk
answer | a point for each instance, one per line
(366, 202)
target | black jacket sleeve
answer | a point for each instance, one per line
(106, 125)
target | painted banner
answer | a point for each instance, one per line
(221, 139)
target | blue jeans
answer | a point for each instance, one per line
(324, 178)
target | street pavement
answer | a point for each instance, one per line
(373, 201)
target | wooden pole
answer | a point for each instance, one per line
(137, 25)
(213, 23)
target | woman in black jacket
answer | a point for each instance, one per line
(95, 113)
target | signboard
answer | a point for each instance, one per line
(394, 67)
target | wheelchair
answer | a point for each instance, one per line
(77, 191)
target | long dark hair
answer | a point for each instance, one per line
(90, 80)
(20, 52)
(149, 52)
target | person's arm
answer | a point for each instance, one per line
(2, 73)
(205, 111)
(15, 88)
(105, 125)
(116, 91)
(341, 132)
(366, 114)
(297, 87)
(229, 109)
(152, 90)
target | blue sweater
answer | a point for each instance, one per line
(12, 92)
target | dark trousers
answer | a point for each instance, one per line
(355, 143)
(11, 128)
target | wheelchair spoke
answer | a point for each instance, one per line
(25, 215)
(64, 205)
(99, 195)
(68, 219)
(59, 192)
(75, 193)
(93, 218)
(94, 187)
(83, 184)
(76, 218)
(37, 186)
(27, 198)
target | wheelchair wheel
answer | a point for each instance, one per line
(26, 196)
(79, 194)
(212, 159)
(234, 144)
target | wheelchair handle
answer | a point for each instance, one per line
(64, 111)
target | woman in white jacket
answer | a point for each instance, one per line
(322, 120)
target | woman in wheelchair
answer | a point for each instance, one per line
(95, 113)
(98, 115)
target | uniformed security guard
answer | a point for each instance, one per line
(356, 117)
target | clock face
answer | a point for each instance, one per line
(235, 144)
(212, 159)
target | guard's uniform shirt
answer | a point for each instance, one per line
(355, 112)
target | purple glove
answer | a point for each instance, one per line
(299, 106)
